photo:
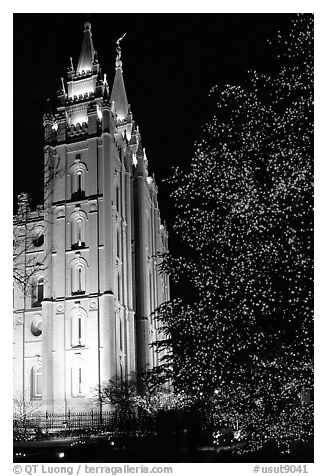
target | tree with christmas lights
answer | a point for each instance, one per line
(242, 338)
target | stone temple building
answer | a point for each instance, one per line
(90, 254)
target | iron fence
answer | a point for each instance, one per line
(78, 424)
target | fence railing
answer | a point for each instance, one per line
(75, 423)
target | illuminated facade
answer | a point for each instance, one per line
(87, 315)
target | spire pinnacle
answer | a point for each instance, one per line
(106, 92)
(118, 94)
(140, 148)
(63, 85)
(86, 58)
(71, 66)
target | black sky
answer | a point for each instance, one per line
(170, 62)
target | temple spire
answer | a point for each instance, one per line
(118, 94)
(86, 57)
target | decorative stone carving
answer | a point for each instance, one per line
(19, 320)
(93, 206)
(77, 146)
(60, 212)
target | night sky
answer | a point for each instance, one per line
(170, 62)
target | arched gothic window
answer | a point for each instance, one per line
(78, 225)
(78, 185)
(78, 378)
(36, 381)
(78, 179)
(78, 276)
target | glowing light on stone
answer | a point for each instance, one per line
(99, 113)
(79, 117)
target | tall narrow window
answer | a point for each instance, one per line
(79, 330)
(149, 234)
(78, 323)
(79, 181)
(40, 290)
(36, 382)
(78, 378)
(120, 334)
(150, 293)
(78, 271)
(79, 231)
(37, 292)
(79, 278)
(117, 197)
(78, 221)
(118, 244)
(78, 172)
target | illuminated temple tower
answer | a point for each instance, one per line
(88, 315)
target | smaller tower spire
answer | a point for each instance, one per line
(61, 93)
(86, 58)
(118, 94)
(63, 85)
(71, 66)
